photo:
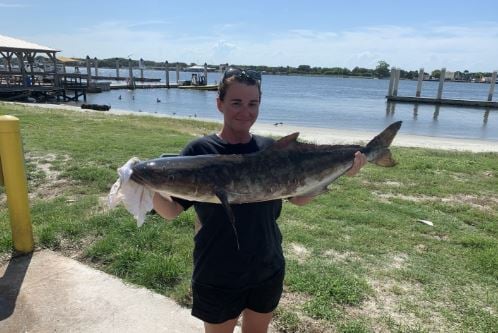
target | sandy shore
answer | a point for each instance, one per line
(324, 135)
(335, 136)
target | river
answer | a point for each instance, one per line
(324, 102)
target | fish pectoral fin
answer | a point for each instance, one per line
(222, 196)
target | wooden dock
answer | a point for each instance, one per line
(392, 93)
(19, 93)
(210, 87)
(197, 82)
(115, 86)
(443, 101)
(22, 78)
(121, 78)
(68, 88)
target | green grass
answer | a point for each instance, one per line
(357, 259)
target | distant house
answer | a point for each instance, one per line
(458, 76)
(487, 79)
(449, 75)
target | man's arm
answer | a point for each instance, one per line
(166, 206)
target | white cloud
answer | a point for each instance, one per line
(453, 47)
(221, 50)
(472, 47)
(12, 5)
(147, 24)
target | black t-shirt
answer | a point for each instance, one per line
(217, 262)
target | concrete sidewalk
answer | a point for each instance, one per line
(46, 292)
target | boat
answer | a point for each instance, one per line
(198, 82)
(199, 68)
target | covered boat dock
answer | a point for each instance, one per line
(23, 77)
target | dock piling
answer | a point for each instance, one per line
(141, 65)
(88, 71)
(206, 72)
(57, 78)
(131, 79)
(117, 68)
(96, 64)
(396, 82)
(222, 71)
(492, 87)
(419, 83)
(166, 69)
(442, 76)
(391, 82)
(177, 73)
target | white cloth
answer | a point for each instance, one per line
(136, 198)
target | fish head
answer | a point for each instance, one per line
(169, 174)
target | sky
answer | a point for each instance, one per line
(457, 34)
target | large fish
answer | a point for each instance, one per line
(286, 169)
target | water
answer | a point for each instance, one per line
(326, 102)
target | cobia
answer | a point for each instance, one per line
(285, 169)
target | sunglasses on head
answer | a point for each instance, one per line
(242, 74)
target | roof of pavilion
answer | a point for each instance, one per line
(14, 44)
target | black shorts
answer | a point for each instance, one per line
(216, 305)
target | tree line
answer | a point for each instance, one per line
(382, 70)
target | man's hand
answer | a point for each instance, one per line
(359, 161)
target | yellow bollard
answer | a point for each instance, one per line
(16, 185)
(1, 173)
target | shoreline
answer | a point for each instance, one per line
(315, 135)
(338, 136)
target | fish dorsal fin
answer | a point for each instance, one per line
(285, 142)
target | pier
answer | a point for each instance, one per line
(115, 86)
(198, 81)
(35, 73)
(21, 77)
(392, 93)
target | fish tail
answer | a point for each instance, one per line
(380, 144)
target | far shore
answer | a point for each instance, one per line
(319, 135)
